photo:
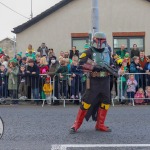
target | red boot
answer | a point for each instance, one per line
(100, 121)
(79, 119)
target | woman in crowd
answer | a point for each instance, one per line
(12, 73)
(147, 70)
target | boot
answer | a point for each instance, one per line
(100, 121)
(79, 119)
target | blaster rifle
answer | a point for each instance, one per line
(90, 65)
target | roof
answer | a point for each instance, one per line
(41, 16)
(7, 38)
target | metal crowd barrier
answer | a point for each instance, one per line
(143, 80)
(68, 88)
(32, 89)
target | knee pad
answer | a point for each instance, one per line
(85, 106)
(105, 106)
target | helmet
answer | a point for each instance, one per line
(99, 40)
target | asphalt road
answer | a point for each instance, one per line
(36, 128)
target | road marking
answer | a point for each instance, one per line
(65, 146)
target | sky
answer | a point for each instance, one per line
(10, 19)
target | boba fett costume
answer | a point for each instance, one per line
(96, 100)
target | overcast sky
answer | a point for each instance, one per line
(9, 19)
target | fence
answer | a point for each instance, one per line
(128, 85)
(41, 88)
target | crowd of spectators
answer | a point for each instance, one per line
(38, 74)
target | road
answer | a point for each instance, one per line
(30, 127)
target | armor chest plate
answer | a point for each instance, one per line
(101, 57)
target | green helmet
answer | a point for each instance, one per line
(99, 40)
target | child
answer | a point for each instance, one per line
(75, 79)
(139, 94)
(47, 88)
(62, 72)
(23, 80)
(3, 82)
(147, 94)
(122, 88)
(131, 87)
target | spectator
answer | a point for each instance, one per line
(24, 61)
(136, 68)
(1, 53)
(62, 74)
(33, 72)
(135, 51)
(43, 66)
(75, 79)
(139, 96)
(127, 58)
(30, 53)
(123, 69)
(51, 54)
(52, 71)
(131, 87)
(147, 70)
(3, 82)
(68, 64)
(22, 83)
(142, 62)
(37, 61)
(86, 46)
(66, 55)
(47, 88)
(12, 73)
(62, 54)
(19, 58)
(147, 94)
(43, 49)
(4, 61)
(121, 53)
(73, 52)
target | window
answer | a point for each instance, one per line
(79, 43)
(128, 39)
(79, 40)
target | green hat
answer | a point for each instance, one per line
(13, 60)
(19, 54)
(86, 46)
(127, 55)
(0, 49)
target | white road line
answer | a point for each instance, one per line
(65, 146)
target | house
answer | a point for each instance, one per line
(8, 45)
(68, 23)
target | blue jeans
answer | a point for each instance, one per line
(35, 93)
(130, 95)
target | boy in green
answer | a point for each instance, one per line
(122, 87)
(63, 78)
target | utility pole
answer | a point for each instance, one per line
(95, 16)
(31, 10)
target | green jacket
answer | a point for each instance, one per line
(13, 78)
(64, 71)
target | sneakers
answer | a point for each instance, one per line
(116, 97)
(122, 97)
(72, 97)
(77, 97)
(23, 98)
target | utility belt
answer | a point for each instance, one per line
(99, 74)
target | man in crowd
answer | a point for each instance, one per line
(121, 52)
(43, 49)
(135, 51)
